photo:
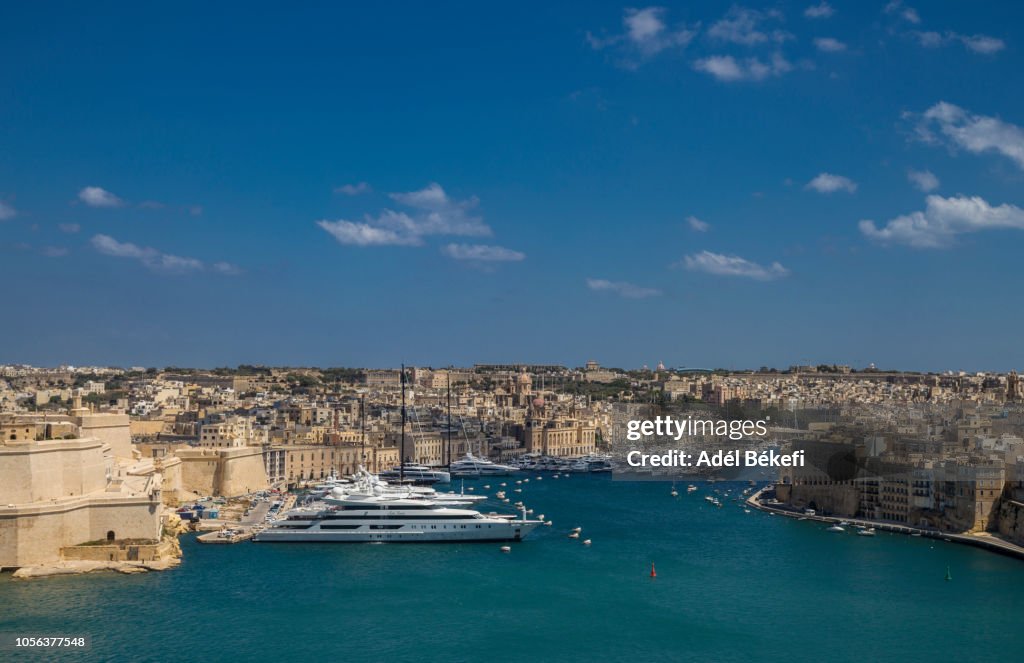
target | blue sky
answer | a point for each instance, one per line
(703, 183)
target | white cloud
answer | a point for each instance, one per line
(829, 45)
(646, 34)
(69, 228)
(725, 265)
(908, 14)
(646, 29)
(430, 197)
(983, 44)
(622, 288)
(942, 220)
(54, 251)
(829, 183)
(107, 245)
(728, 69)
(226, 268)
(434, 212)
(439, 213)
(744, 26)
(173, 263)
(153, 259)
(366, 234)
(353, 189)
(94, 196)
(824, 10)
(977, 134)
(698, 225)
(929, 39)
(6, 211)
(923, 180)
(481, 253)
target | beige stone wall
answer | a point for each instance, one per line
(199, 472)
(114, 429)
(18, 432)
(147, 427)
(837, 498)
(1011, 521)
(51, 469)
(171, 488)
(35, 534)
(222, 472)
(243, 472)
(119, 553)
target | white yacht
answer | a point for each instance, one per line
(340, 496)
(474, 466)
(366, 484)
(329, 483)
(377, 519)
(593, 463)
(418, 475)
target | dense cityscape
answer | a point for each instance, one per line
(97, 462)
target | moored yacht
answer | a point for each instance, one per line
(365, 519)
(474, 466)
(417, 475)
(366, 484)
(329, 483)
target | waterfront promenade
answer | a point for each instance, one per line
(981, 540)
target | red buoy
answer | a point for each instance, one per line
(654, 574)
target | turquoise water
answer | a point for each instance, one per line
(731, 586)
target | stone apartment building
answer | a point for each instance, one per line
(559, 437)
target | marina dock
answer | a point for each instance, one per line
(247, 528)
(236, 536)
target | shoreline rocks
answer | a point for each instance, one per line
(79, 567)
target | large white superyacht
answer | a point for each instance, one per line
(386, 519)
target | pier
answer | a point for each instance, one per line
(247, 528)
(979, 540)
(236, 536)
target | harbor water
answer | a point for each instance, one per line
(730, 586)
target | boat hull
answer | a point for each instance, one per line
(484, 532)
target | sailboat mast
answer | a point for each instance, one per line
(362, 429)
(449, 418)
(401, 459)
